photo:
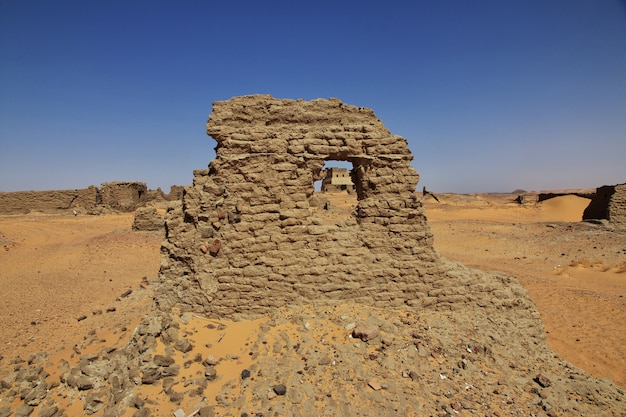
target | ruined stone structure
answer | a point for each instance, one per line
(337, 179)
(609, 202)
(123, 196)
(148, 219)
(244, 240)
(25, 201)
(120, 196)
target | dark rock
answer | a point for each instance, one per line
(94, 401)
(142, 412)
(150, 375)
(48, 411)
(280, 389)
(210, 373)
(543, 381)
(37, 394)
(24, 410)
(175, 397)
(183, 345)
(206, 412)
(162, 360)
(171, 370)
(245, 374)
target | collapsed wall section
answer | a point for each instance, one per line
(609, 202)
(244, 240)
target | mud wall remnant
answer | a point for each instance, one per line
(244, 240)
(148, 219)
(121, 196)
(609, 202)
(52, 200)
(546, 196)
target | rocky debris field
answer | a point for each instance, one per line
(344, 359)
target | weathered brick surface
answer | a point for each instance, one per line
(254, 200)
(609, 202)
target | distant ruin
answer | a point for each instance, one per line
(124, 196)
(337, 179)
(244, 239)
(608, 203)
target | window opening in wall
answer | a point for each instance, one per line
(335, 193)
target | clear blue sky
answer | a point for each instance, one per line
(491, 95)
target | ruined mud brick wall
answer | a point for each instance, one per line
(52, 200)
(123, 196)
(244, 239)
(176, 193)
(609, 202)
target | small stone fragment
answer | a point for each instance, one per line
(210, 360)
(215, 247)
(366, 332)
(162, 360)
(374, 385)
(210, 373)
(183, 345)
(245, 374)
(280, 389)
(543, 381)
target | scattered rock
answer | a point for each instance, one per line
(210, 373)
(543, 381)
(374, 385)
(183, 345)
(215, 247)
(280, 389)
(366, 332)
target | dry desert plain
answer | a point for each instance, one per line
(74, 283)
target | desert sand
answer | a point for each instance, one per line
(74, 284)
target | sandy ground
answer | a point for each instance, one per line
(63, 276)
(575, 272)
(65, 279)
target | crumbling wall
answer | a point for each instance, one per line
(26, 201)
(123, 196)
(244, 240)
(609, 202)
(148, 219)
(158, 196)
